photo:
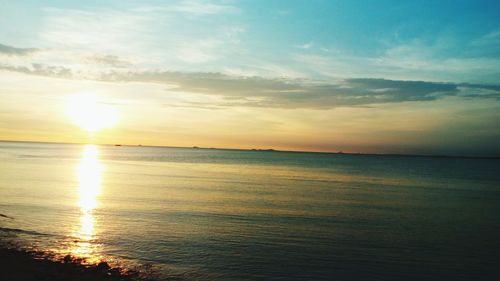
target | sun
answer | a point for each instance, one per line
(90, 114)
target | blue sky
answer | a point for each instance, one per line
(297, 36)
(338, 60)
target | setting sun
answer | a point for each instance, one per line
(89, 113)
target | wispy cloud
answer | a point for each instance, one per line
(62, 62)
(191, 7)
(306, 46)
(150, 36)
(203, 7)
(40, 69)
(101, 30)
(442, 59)
(13, 51)
(109, 60)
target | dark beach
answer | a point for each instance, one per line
(24, 265)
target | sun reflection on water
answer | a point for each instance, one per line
(89, 174)
(89, 179)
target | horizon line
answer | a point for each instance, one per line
(266, 150)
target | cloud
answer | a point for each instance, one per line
(108, 60)
(301, 93)
(403, 64)
(241, 90)
(200, 51)
(40, 69)
(13, 51)
(100, 30)
(441, 59)
(148, 36)
(203, 8)
(191, 7)
(255, 91)
(306, 46)
(59, 62)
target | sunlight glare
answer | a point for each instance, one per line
(90, 114)
(89, 177)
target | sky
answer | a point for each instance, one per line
(412, 77)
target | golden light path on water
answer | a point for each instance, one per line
(89, 174)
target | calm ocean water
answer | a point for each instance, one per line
(207, 214)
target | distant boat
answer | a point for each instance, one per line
(118, 145)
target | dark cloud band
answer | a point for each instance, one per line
(296, 93)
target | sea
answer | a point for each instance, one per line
(218, 214)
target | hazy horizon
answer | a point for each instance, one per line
(387, 77)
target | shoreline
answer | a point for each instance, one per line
(28, 265)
